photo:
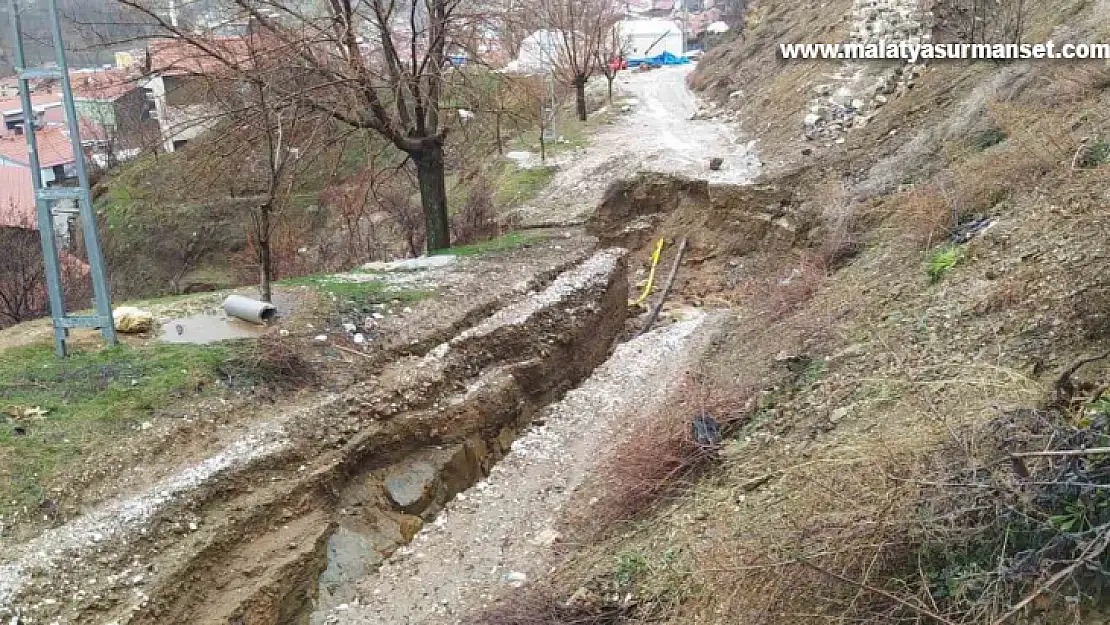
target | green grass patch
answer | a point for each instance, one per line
(942, 261)
(516, 186)
(570, 133)
(1096, 154)
(988, 138)
(366, 291)
(505, 243)
(54, 411)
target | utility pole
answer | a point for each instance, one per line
(50, 201)
(685, 26)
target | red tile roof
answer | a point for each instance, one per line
(107, 84)
(54, 148)
(177, 57)
(38, 101)
(216, 56)
(17, 197)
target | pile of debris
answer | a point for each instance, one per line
(863, 90)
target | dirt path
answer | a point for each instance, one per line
(657, 134)
(495, 535)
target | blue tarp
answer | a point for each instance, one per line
(663, 59)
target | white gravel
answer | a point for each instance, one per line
(493, 537)
(115, 520)
(595, 271)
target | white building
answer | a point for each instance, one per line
(539, 52)
(651, 37)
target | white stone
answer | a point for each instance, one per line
(131, 320)
(414, 264)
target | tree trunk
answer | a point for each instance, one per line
(580, 96)
(265, 258)
(433, 197)
(611, 78)
(497, 133)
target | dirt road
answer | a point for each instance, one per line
(656, 132)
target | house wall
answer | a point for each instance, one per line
(652, 38)
(99, 112)
(181, 109)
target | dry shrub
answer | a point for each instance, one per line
(962, 533)
(293, 250)
(271, 361)
(406, 214)
(540, 606)
(662, 456)
(23, 277)
(922, 215)
(788, 283)
(789, 562)
(841, 235)
(475, 220)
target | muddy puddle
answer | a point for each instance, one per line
(214, 325)
(209, 328)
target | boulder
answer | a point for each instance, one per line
(411, 486)
(131, 320)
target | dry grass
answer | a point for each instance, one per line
(923, 215)
(272, 361)
(539, 606)
(661, 458)
(786, 283)
(838, 519)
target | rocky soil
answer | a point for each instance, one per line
(849, 97)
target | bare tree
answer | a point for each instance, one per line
(611, 56)
(23, 273)
(379, 65)
(578, 28)
(22, 276)
(983, 21)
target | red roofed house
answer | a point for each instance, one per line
(48, 111)
(55, 154)
(17, 197)
(180, 81)
(56, 163)
(116, 119)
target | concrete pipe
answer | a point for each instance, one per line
(249, 309)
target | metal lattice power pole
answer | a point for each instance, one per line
(48, 200)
